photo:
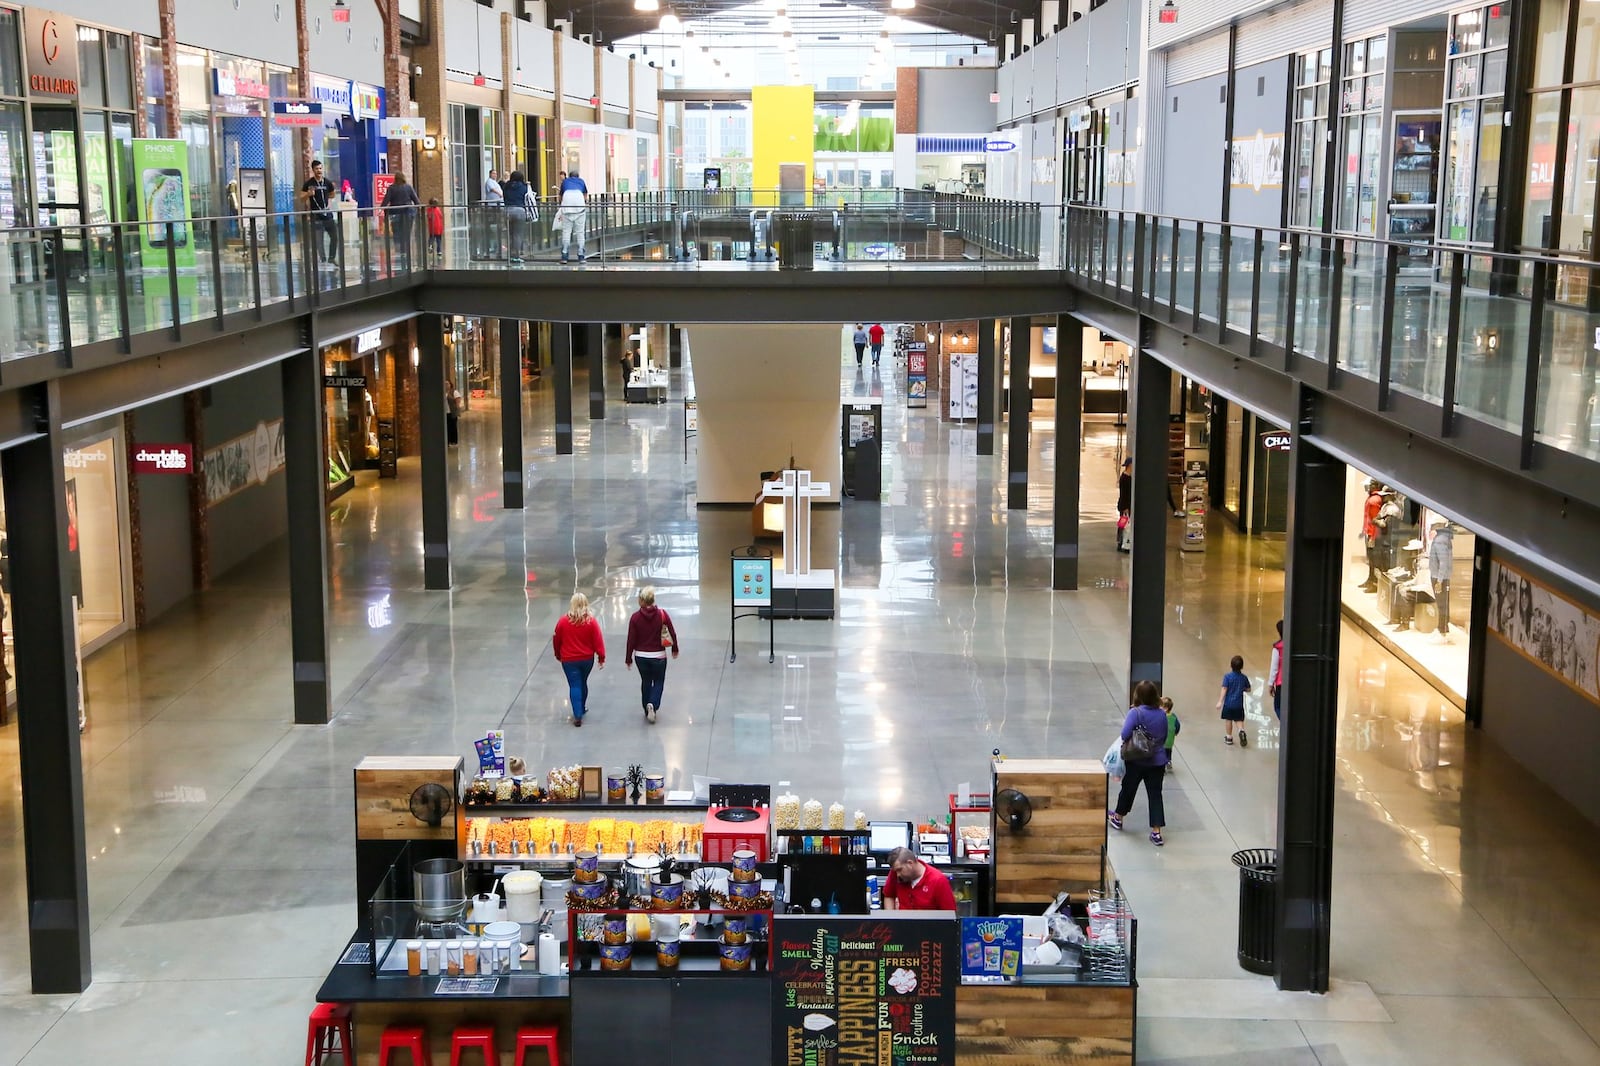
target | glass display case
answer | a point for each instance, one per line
(551, 832)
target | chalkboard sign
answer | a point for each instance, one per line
(876, 990)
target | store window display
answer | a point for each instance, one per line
(1408, 578)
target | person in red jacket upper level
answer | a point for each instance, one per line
(651, 635)
(579, 645)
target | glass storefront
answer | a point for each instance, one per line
(1312, 72)
(1361, 113)
(474, 150)
(97, 544)
(1408, 579)
(1474, 102)
(1560, 198)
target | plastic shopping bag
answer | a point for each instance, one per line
(1112, 760)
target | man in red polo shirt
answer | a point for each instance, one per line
(913, 885)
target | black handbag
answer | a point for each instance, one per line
(1140, 746)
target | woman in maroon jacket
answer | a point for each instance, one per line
(578, 644)
(651, 635)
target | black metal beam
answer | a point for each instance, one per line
(435, 452)
(47, 704)
(1019, 398)
(1069, 452)
(1308, 734)
(305, 490)
(988, 385)
(512, 468)
(561, 371)
(595, 345)
(1147, 581)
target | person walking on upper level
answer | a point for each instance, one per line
(859, 339)
(572, 216)
(579, 647)
(317, 192)
(520, 212)
(400, 204)
(435, 231)
(875, 334)
(493, 193)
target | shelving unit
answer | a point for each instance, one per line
(1195, 502)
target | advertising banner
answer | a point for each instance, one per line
(752, 582)
(296, 113)
(917, 374)
(876, 989)
(991, 947)
(161, 169)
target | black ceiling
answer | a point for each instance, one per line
(612, 20)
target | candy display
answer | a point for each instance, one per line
(609, 836)
(564, 783)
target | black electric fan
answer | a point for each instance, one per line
(1013, 808)
(430, 803)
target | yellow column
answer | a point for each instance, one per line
(781, 118)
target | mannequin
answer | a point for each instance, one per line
(1441, 560)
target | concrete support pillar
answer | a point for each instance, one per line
(1069, 451)
(435, 454)
(561, 372)
(305, 486)
(988, 385)
(512, 468)
(595, 349)
(1147, 585)
(1019, 400)
(1308, 734)
(47, 705)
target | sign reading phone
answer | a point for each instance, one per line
(161, 170)
(163, 459)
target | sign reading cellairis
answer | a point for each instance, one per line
(855, 991)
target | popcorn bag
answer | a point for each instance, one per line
(786, 812)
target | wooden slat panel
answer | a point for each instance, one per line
(1062, 845)
(383, 797)
(1023, 1025)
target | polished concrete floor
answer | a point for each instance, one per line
(221, 877)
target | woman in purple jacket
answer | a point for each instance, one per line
(1145, 712)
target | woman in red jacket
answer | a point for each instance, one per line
(651, 635)
(578, 644)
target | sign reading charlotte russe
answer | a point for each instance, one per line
(163, 459)
(52, 44)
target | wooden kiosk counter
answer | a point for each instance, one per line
(902, 983)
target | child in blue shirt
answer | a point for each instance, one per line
(1231, 700)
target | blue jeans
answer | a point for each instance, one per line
(578, 684)
(652, 679)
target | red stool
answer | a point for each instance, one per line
(404, 1038)
(537, 1036)
(470, 1037)
(327, 1031)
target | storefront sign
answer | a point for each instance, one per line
(52, 53)
(296, 113)
(163, 459)
(225, 83)
(1276, 440)
(380, 188)
(404, 129)
(344, 381)
(996, 145)
(752, 582)
(366, 101)
(331, 93)
(864, 990)
(368, 340)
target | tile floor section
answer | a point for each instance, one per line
(222, 880)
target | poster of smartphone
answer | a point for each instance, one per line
(164, 201)
(162, 196)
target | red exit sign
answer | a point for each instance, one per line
(341, 14)
(163, 459)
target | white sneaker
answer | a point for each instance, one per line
(650, 715)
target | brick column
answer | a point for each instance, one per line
(508, 46)
(303, 44)
(167, 13)
(432, 176)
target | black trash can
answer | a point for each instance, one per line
(1258, 907)
(796, 242)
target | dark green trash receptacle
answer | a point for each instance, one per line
(1258, 907)
(797, 242)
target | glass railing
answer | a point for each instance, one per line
(1511, 341)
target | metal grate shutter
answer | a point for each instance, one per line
(1288, 30)
(1362, 17)
(1197, 59)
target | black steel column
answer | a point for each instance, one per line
(561, 371)
(305, 453)
(1147, 583)
(435, 475)
(47, 706)
(674, 346)
(1019, 400)
(1309, 730)
(511, 465)
(1069, 450)
(596, 345)
(988, 392)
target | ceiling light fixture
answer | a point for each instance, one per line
(903, 5)
(670, 23)
(647, 5)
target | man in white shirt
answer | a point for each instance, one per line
(492, 193)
